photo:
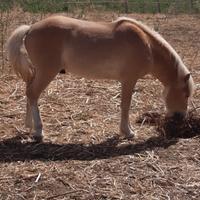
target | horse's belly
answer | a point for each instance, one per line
(95, 71)
(92, 68)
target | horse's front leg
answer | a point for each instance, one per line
(126, 94)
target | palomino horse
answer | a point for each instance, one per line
(124, 50)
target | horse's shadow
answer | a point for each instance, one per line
(14, 149)
(19, 148)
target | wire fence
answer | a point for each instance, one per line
(141, 6)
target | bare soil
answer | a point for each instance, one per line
(82, 156)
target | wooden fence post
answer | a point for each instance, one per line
(191, 5)
(126, 5)
(158, 6)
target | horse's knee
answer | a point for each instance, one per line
(32, 94)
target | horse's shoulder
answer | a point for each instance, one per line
(131, 30)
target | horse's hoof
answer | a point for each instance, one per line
(37, 138)
(130, 135)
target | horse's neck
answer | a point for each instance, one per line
(165, 67)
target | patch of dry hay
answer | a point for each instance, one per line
(172, 127)
(82, 156)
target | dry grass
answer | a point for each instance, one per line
(81, 156)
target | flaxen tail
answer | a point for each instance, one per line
(17, 54)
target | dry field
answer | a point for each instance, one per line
(81, 156)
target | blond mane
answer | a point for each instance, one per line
(152, 33)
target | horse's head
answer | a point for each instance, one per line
(177, 95)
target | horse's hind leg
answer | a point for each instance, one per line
(37, 135)
(29, 118)
(39, 83)
(127, 90)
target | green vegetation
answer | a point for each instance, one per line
(141, 6)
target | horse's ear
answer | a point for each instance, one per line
(187, 77)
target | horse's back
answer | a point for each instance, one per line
(48, 38)
(66, 24)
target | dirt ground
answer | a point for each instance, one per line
(81, 156)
